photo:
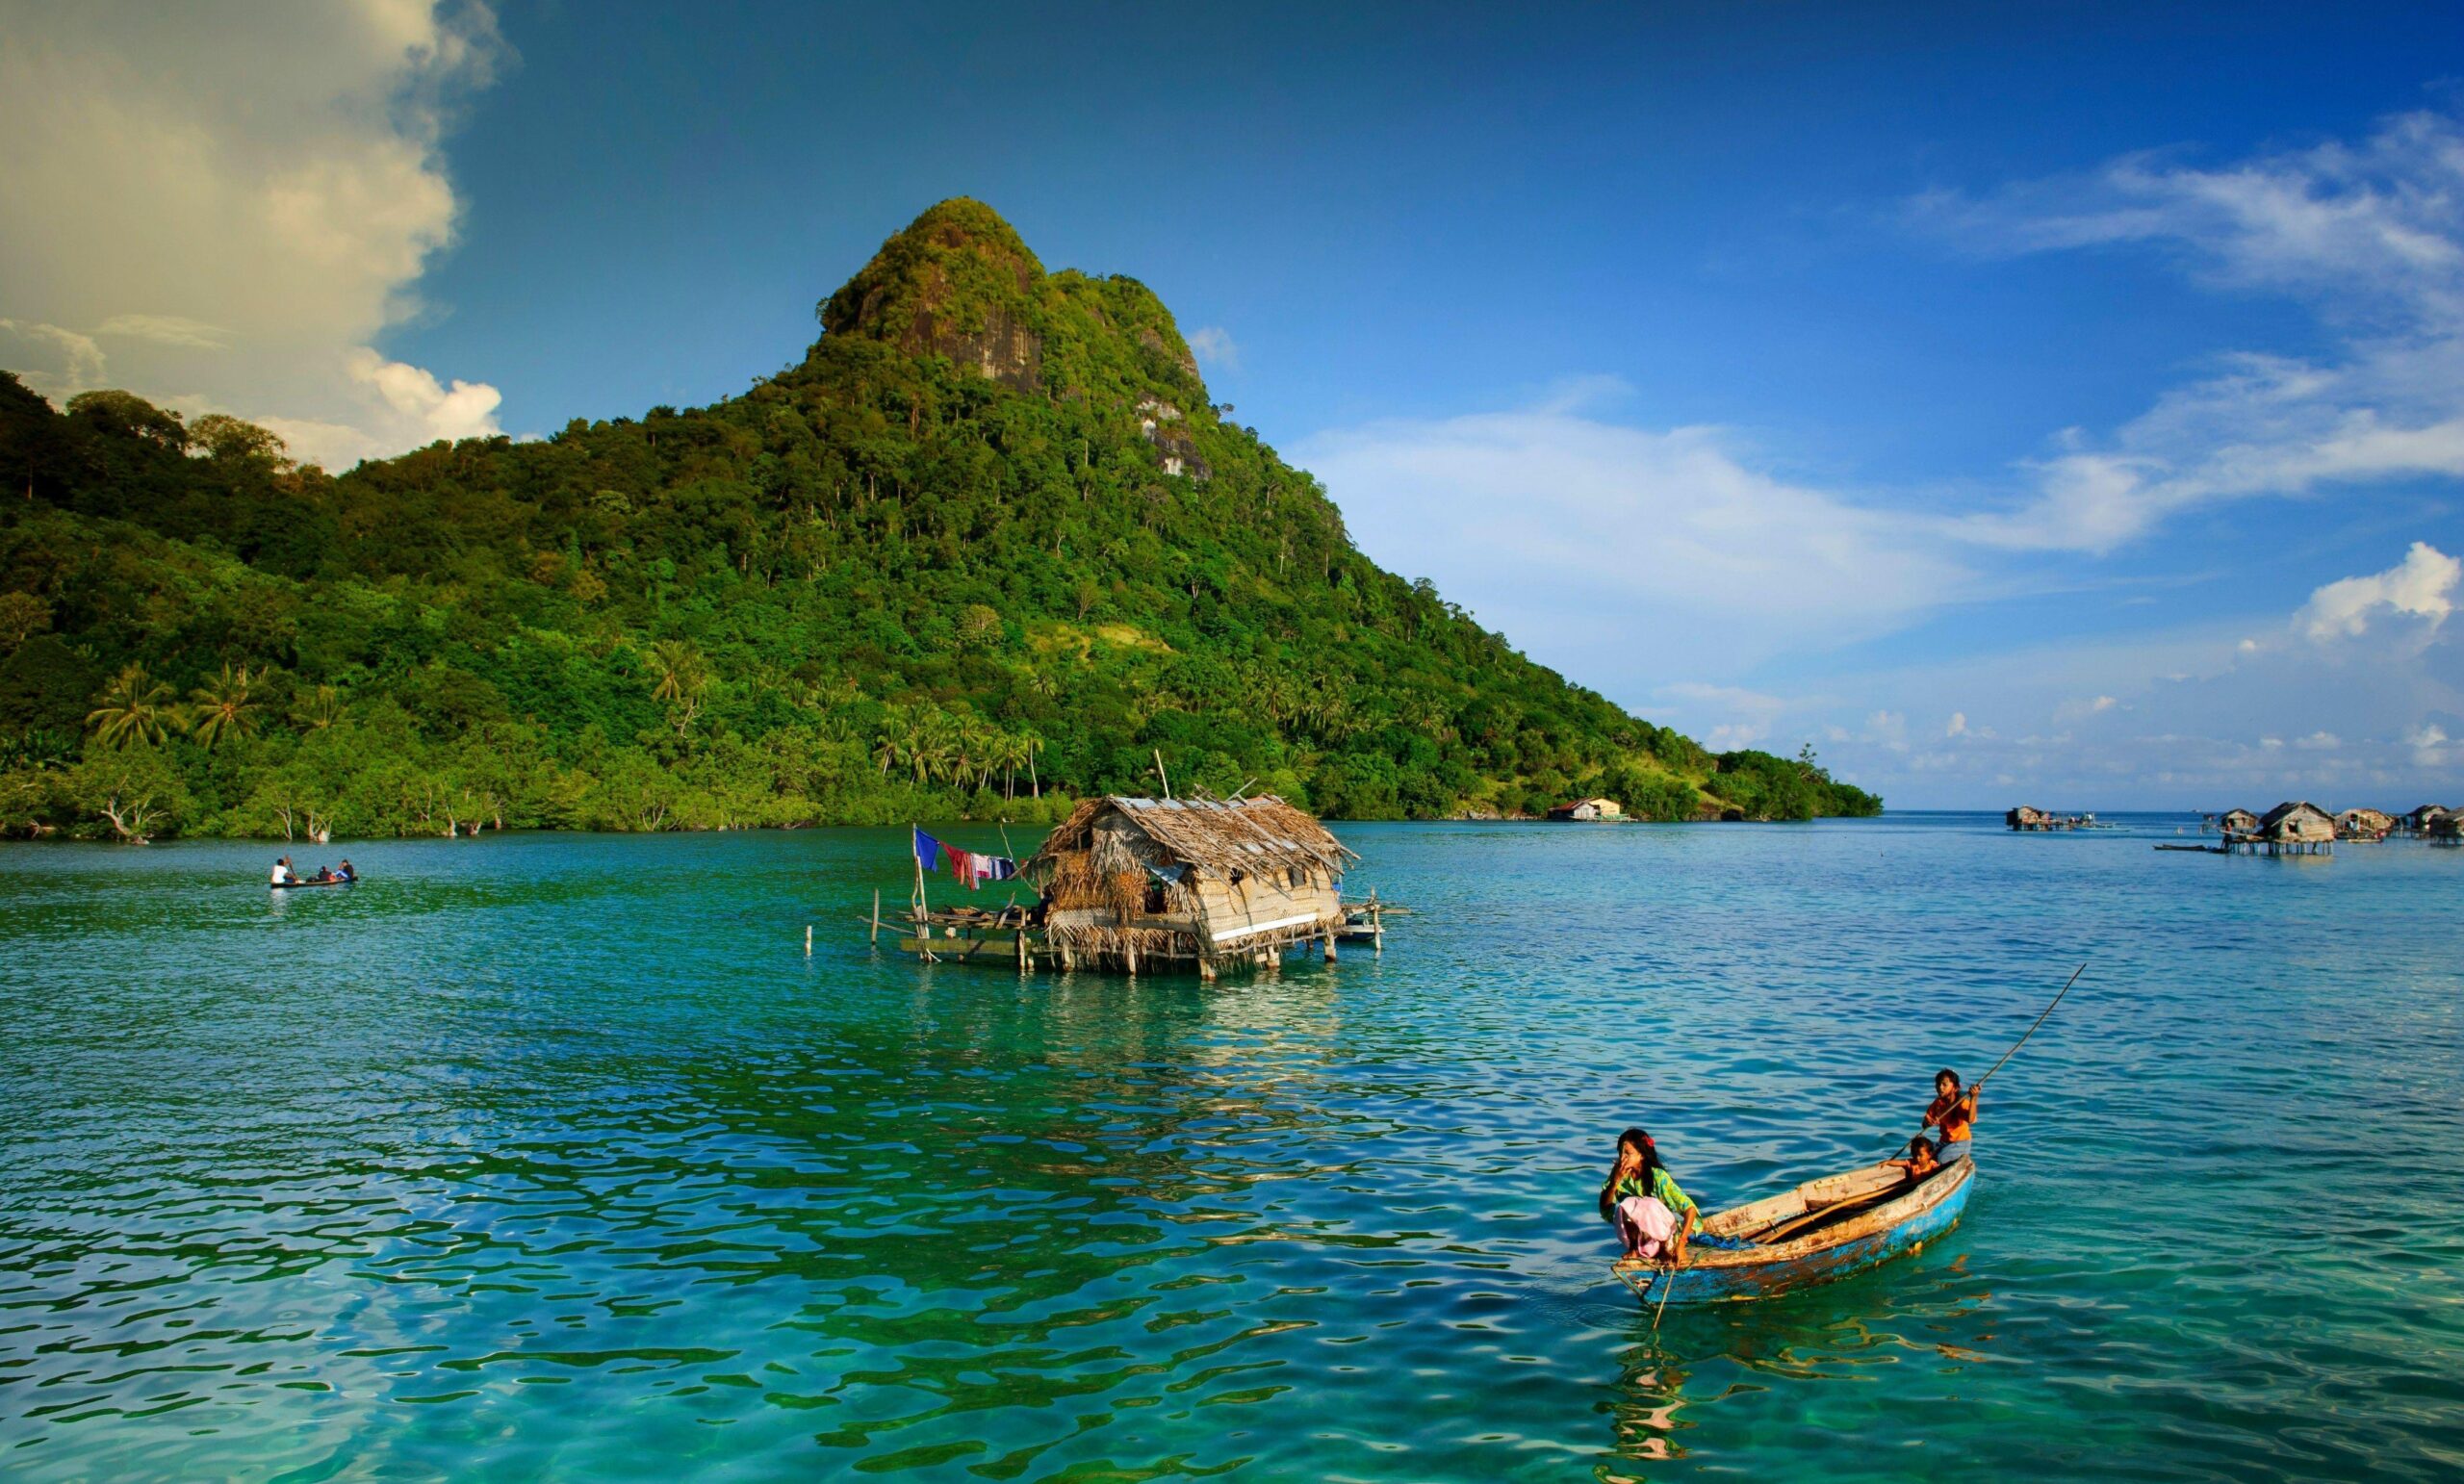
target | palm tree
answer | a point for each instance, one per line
(890, 739)
(223, 706)
(136, 707)
(937, 746)
(683, 677)
(318, 709)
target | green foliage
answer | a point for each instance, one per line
(940, 568)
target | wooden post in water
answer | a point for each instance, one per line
(808, 941)
(1330, 945)
(1376, 924)
(877, 915)
(1025, 964)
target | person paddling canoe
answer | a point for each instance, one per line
(1954, 1113)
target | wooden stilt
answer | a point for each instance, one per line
(1330, 945)
(808, 941)
(1025, 963)
(877, 917)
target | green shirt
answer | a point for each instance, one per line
(1664, 1191)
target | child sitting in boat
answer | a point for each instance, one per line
(1652, 1215)
(1954, 1113)
(1920, 1161)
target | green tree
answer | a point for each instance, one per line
(135, 710)
(220, 708)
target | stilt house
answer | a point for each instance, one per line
(2364, 825)
(2239, 822)
(2298, 822)
(1146, 881)
(1588, 808)
(2421, 819)
(2028, 817)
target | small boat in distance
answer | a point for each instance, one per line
(1823, 1229)
(332, 881)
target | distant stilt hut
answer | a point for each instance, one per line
(2364, 825)
(1129, 883)
(2028, 817)
(2295, 827)
(2422, 818)
(1588, 810)
(2448, 828)
(2238, 822)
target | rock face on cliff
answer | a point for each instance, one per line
(960, 283)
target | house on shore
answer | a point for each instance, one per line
(1588, 810)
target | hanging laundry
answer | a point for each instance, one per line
(929, 852)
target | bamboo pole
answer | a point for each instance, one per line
(876, 908)
(808, 941)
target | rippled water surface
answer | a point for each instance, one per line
(556, 1157)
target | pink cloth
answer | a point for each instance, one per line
(1645, 1224)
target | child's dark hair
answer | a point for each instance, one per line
(1952, 1075)
(1918, 1148)
(1642, 1143)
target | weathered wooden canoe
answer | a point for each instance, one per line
(1823, 1229)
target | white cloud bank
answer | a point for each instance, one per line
(2422, 584)
(2354, 697)
(1583, 539)
(220, 208)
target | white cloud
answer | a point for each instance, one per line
(2419, 585)
(167, 330)
(1605, 548)
(1213, 345)
(2371, 237)
(1958, 727)
(77, 359)
(2430, 749)
(233, 204)
(2184, 717)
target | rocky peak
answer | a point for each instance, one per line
(957, 282)
(960, 283)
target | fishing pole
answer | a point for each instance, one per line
(1969, 1096)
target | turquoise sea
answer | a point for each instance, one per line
(555, 1158)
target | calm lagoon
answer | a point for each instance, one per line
(555, 1158)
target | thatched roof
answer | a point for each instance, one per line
(2296, 819)
(1217, 835)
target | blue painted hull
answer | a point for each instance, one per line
(1720, 1277)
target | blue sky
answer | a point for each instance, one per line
(2063, 405)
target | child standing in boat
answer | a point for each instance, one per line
(1652, 1215)
(1954, 1113)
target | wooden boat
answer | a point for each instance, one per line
(1822, 1230)
(339, 881)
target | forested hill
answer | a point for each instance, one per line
(987, 545)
